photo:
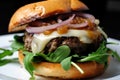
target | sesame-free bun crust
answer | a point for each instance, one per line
(54, 70)
(47, 69)
(42, 9)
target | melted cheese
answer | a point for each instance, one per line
(40, 40)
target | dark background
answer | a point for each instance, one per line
(108, 11)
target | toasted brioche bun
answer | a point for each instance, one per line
(54, 70)
(43, 9)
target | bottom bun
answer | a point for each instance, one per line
(54, 70)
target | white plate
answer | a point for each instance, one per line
(14, 71)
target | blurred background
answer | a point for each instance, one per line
(108, 11)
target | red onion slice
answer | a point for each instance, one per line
(49, 27)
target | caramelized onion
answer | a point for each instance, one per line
(89, 17)
(49, 27)
(81, 25)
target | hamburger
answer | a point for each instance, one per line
(60, 40)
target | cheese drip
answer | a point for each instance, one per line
(40, 40)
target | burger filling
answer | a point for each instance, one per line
(36, 43)
(78, 31)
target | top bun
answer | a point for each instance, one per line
(43, 9)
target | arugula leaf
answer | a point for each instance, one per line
(60, 53)
(57, 56)
(3, 62)
(18, 38)
(28, 63)
(17, 43)
(99, 56)
(66, 63)
(41, 56)
(6, 61)
(5, 52)
(32, 78)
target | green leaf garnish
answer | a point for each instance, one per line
(66, 63)
(60, 53)
(100, 58)
(57, 56)
(6, 61)
(32, 78)
(18, 38)
(100, 55)
(28, 63)
(5, 52)
(17, 45)
(41, 56)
